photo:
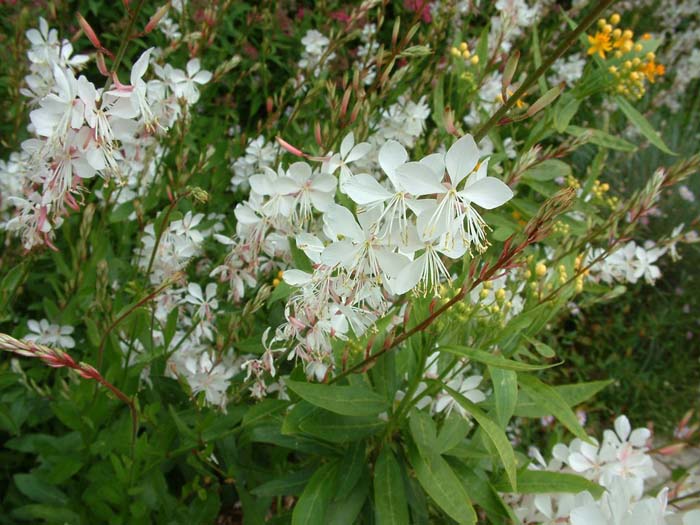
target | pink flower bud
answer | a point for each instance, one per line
(89, 31)
(157, 17)
(101, 65)
(291, 149)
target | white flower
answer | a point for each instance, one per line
(310, 189)
(49, 334)
(467, 386)
(356, 247)
(453, 206)
(206, 302)
(349, 153)
(185, 84)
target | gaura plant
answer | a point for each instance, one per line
(337, 320)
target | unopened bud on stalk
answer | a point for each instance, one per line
(395, 32)
(101, 65)
(317, 133)
(89, 31)
(345, 102)
(355, 111)
(157, 17)
(287, 146)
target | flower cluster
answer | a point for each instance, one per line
(621, 464)
(82, 131)
(408, 217)
(632, 66)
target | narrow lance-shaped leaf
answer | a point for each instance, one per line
(544, 101)
(505, 393)
(508, 72)
(490, 359)
(311, 507)
(550, 400)
(543, 482)
(642, 125)
(495, 434)
(442, 485)
(391, 507)
(344, 400)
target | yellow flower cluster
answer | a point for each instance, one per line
(573, 182)
(462, 51)
(631, 74)
(561, 227)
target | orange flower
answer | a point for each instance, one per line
(600, 43)
(652, 70)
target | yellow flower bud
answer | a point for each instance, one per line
(540, 269)
(484, 293)
(617, 33)
(475, 60)
(615, 19)
(638, 47)
(463, 46)
(466, 54)
(500, 295)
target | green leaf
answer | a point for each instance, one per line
(39, 490)
(353, 400)
(642, 124)
(602, 139)
(541, 348)
(485, 495)
(328, 426)
(574, 394)
(351, 467)
(49, 513)
(313, 502)
(454, 430)
(390, 503)
(301, 261)
(564, 111)
(490, 359)
(281, 291)
(549, 169)
(288, 485)
(423, 431)
(496, 435)
(549, 399)
(263, 411)
(505, 393)
(440, 482)
(345, 510)
(543, 482)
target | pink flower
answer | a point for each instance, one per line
(419, 6)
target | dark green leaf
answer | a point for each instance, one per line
(311, 507)
(390, 503)
(353, 400)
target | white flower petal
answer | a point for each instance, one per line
(417, 179)
(364, 189)
(461, 159)
(488, 193)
